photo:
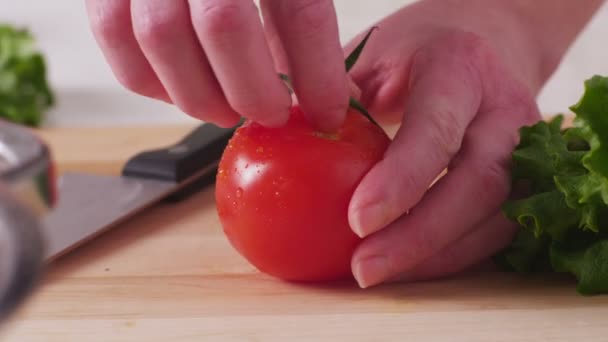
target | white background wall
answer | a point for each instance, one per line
(89, 95)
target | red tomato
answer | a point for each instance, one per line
(283, 193)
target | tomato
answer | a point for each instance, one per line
(283, 193)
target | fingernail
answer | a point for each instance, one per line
(368, 219)
(371, 271)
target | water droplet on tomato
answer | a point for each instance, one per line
(234, 203)
(247, 165)
(239, 192)
(276, 193)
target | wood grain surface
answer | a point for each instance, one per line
(170, 275)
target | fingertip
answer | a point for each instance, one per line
(214, 112)
(367, 219)
(274, 117)
(270, 109)
(371, 270)
(325, 115)
(329, 121)
(370, 207)
(228, 121)
(325, 109)
(275, 121)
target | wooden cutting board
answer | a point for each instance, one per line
(170, 275)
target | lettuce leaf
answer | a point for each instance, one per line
(24, 90)
(589, 264)
(563, 216)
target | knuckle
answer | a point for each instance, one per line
(516, 103)
(522, 103)
(154, 26)
(218, 17)
(467, 44)
(309, 15)
(459, 42)
(492, 177)
(473, 44)
(424, 244)
(410, 183)
(446, 133)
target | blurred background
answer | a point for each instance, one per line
(88, 94)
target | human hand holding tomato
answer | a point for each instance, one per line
(462, 88)
(459, 75)
(462, 77)
(291, 199)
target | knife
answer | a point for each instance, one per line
(89, 204)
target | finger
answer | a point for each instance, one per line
(277, 50)
(483, 242)
(384, 86)
(475, 186)
(167, 38)
(111, 25)
(232, 36)
(309, 32)
(444, 96)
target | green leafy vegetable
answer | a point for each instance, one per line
(589, 264)
(24, 91)
(563, 217)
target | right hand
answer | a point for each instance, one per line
(216, 61)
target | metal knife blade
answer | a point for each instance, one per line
(89, 204)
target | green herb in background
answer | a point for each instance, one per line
(24, 91)
(564, 217)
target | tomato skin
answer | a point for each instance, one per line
(282, 194)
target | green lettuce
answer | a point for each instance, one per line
(24, 90)
(563, 213)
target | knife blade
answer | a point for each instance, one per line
(90, 204)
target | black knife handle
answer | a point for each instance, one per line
(201, 148)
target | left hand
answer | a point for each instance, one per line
(464, 87)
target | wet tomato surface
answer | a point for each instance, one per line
(282, 194)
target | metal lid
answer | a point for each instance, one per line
(26, 194)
